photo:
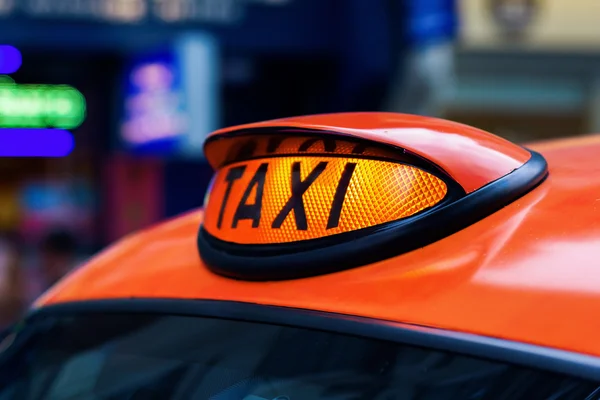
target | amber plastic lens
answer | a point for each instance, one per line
(295, 198)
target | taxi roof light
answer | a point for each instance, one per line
(292, 199)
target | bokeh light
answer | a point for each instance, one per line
(10, 59)
(34, 142)
(41, 106)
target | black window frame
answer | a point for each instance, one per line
(493, 349)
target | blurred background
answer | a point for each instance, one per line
(140, 83)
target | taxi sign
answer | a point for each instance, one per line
(300, 197)
(288, 202)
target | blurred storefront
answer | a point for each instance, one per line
(157, 76)
(528, 69)
(39, 195)
(154, 75)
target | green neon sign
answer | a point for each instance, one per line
(40, 106)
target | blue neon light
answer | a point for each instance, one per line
(10, 59)
(33, 142)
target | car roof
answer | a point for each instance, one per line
(529, 272)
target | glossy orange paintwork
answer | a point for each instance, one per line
(472, 157)
(529, 272)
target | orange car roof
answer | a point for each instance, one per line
(529, 272)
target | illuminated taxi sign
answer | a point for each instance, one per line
(307, 196)
(275, 198)
(295, 198)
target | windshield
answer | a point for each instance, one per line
(143, 356)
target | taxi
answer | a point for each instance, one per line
(365, 256)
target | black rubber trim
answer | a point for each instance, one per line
(538, 357)
(359, 248)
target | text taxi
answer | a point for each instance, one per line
(344, 256)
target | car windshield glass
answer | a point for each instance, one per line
(142, 356)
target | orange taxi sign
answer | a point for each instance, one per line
(298, 198)
(294, 198)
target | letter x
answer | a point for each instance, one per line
(295, 202)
